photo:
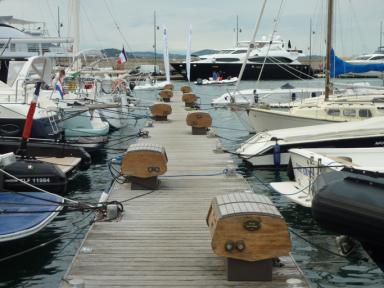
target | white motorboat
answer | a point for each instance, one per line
(270, 148)
(307, 164)
(376, 57)
(248, 97)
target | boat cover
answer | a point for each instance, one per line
(25, 213)
(339, 66)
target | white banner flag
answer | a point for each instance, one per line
(188, 56)
(166, 55)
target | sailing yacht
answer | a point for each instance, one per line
(329, 108)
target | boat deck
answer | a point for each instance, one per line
(162, 239)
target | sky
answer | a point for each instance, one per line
(357, 23)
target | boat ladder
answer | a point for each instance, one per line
(53, 122)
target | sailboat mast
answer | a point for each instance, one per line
(237, 30)
(154, 40)
(58, 22)
(328, 84)
(381, 34)
(310, 41)
(75, 7)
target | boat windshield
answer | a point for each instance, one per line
(364, 57)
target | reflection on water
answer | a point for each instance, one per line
(45, 267)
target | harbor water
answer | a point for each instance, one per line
(42, 259)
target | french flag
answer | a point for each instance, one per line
(122, 57)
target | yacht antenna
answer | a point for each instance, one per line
(58, 22)
(76, 25)
(381, 34)
(310, 41)
(328, 84)
(154, 40)
(251, 45)
(237, 30)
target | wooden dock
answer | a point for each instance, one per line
(162, 238)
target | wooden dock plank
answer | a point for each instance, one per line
(162, 239)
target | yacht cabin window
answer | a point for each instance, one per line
(240, 51)
(270, 60)
(226, 51)
(365, 113)
(349, 112)
(377, 58)
(333, 112)
(227, 59)
(362, 58)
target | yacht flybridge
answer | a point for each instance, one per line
(279, 61)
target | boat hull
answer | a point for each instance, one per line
(351, 203)
(21, 223)
(40, 174)
(266, 158)
(13, 127)
(251, 72)
(262, 119)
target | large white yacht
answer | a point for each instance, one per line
(279, 61)
(376, 57)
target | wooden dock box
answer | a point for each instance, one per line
(143, 163)
(189, 99)
(200, 121)
(166, 95)
(169, 87)
(160, 111)
(186, 89)
(249, 230)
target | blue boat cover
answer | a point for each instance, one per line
(339, 66)
(25, 213)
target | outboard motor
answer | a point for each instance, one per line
(199, 81)
(293, 96)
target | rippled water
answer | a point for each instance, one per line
(45, 267)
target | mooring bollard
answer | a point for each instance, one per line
(189, 99)
(166, 95)
(160, 111)
(250, 232)
(199, 121)
(143, 163)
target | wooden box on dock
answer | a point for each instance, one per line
(166, 95)
(248, 227)
(160, 111)
(200, 121)
(169, 87)
(189, 99)
(186, 89)
(143, 163)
